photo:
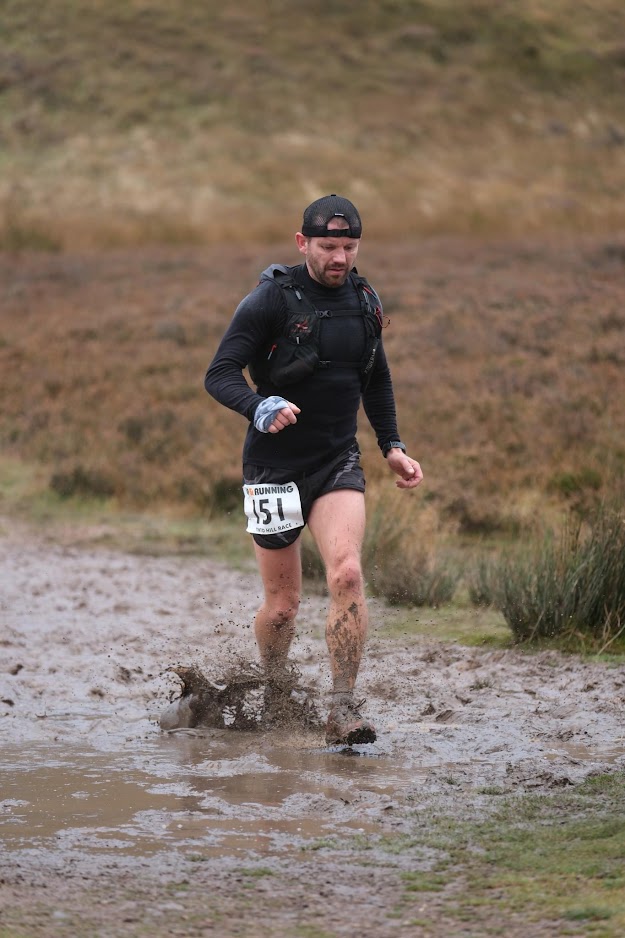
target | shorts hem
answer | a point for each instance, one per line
(277, 541)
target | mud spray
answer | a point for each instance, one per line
(243, 697)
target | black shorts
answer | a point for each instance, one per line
(343, 472)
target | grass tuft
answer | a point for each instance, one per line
(569, 586)
(400, 559)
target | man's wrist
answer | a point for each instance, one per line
(394, 444)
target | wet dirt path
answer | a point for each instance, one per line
(92, 792)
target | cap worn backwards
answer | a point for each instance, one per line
(323, 210)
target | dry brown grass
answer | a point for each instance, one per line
(165, 122)
(508, 363)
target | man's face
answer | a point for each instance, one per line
(329, 260)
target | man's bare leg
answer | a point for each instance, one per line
(337, 522)
(274, 625)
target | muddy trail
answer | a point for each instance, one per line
(111, 826)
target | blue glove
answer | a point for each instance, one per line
(266, 412)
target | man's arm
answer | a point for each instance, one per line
(379, 404)
(253, 325)
(379, 401)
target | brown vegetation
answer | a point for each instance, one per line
(507, 361)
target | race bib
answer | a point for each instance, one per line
(271, 508)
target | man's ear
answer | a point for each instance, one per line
(302, 242)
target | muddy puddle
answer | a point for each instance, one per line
(87, 641)
(219, 793)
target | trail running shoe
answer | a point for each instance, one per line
(346, 726)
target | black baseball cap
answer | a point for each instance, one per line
(323, 210)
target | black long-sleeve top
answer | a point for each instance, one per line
(328, 399)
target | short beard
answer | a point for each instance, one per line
(325, 280)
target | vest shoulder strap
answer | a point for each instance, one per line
(370, 302)
(269, 273)
(293, 294)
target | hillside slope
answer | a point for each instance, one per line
(161, 121)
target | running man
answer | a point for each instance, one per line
(310, 335)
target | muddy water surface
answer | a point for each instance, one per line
(91, 787)
(224, 793)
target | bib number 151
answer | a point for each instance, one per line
(272, 508)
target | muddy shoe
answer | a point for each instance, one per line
(346, 726)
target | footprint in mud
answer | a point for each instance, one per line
(245, 697)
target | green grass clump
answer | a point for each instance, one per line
(570, 586)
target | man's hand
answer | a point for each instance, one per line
(274, 414)
(283, 418)
(408, 470)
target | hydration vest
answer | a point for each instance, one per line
(294, 355)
